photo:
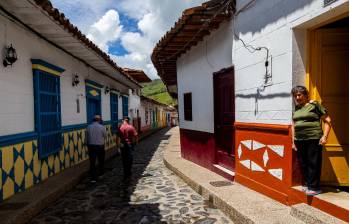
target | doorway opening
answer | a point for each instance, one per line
(224, 118)
(328, 82)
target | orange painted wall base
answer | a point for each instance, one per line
(261, 150)
(264, 189)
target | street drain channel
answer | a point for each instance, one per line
(221, 183)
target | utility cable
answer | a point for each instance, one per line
(253, 49)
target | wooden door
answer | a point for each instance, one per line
(93, 108)
(224, 114)
(330, 85)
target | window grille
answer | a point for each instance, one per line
(114, 111)
(48, 123)
(124, 106)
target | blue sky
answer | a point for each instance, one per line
(126, 30)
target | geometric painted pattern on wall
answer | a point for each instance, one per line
(21, 168)
(252, 165)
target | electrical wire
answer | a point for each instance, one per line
(253, 49)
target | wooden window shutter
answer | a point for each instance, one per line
(188, 114)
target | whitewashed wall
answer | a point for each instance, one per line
(142, 110)
(120, 107)
(16, 82)
(134, 103)
(279, 25)
(195, 74)
(145, 106)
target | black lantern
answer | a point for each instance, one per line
(106, 90)
(76, 80)
(10, 56)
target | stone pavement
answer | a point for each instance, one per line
(238, 202)
(153, 195)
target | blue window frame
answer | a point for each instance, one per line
(114, 107)
(124, 106)
(47, 100)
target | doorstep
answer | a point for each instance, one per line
(331, 201)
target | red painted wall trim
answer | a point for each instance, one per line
(145, 128)
(282, 129)
(198, 147)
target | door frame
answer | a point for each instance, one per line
(93, 92)
(222, 157)
(313, 82)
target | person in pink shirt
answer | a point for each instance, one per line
(129, 136)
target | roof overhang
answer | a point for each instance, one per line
(47, 22)
(191, 28)
(137, 75)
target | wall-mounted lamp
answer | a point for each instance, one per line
(106, 90)
(76, 80)
(10, 56)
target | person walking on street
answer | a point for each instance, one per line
(96, 134)
(309, 138)
(129, 136)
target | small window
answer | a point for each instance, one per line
(188, 107)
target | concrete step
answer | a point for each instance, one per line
(309, 214)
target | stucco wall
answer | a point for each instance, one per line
(195, 74)
(281, 27)
(145, 106)
(16, 82)
(134, 103)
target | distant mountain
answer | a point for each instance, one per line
(156, 90)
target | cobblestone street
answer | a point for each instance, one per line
(154, 195)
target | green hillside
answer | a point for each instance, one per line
(156, 90)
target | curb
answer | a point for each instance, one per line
(230, 211)
(313, 215)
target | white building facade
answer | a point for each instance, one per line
(49, 95)
(264, 49)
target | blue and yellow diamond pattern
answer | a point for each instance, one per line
(21, 168)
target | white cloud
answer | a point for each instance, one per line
(154, 18)
(84, 13)
(106, 30)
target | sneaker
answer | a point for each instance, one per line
(313, 192)
(304, 188)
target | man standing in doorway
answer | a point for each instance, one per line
(128, 136)
(96, 135)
